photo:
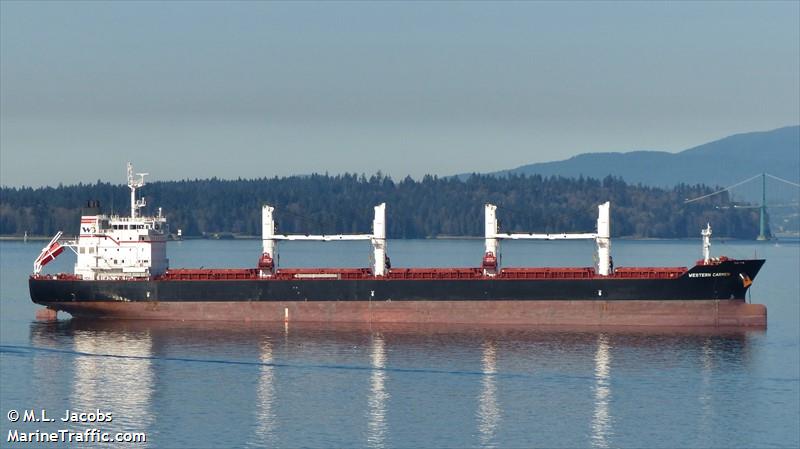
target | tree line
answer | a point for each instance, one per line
(429, 207)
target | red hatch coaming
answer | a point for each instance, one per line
(311, 274)
(209, 274)
(649, 272)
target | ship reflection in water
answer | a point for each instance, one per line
(376, 424)
(601, 421)
(236, 384)
(124, 386)
(488, 410)
(110, 371)
(265, 398)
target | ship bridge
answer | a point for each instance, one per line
(113, 247)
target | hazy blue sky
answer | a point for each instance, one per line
(252, 89)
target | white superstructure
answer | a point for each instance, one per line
(115, 247)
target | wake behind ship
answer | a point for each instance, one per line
(122, 271)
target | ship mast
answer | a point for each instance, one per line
(706, 233)
(134, 183)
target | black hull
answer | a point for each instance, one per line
(727, 280)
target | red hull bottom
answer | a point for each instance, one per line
(714, 313)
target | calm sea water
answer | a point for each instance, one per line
(236, 385)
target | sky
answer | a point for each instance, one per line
(254, 89)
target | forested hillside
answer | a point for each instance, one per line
(426, 208)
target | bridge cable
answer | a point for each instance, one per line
(722, 190)
(783, 180)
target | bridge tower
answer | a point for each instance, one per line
(763, 209)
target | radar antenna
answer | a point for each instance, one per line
(134, 183)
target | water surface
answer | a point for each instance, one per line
(236, 385)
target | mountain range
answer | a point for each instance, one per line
(722, 162)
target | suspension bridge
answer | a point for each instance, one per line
(786, 196)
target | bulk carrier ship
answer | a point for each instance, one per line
(122, 271)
